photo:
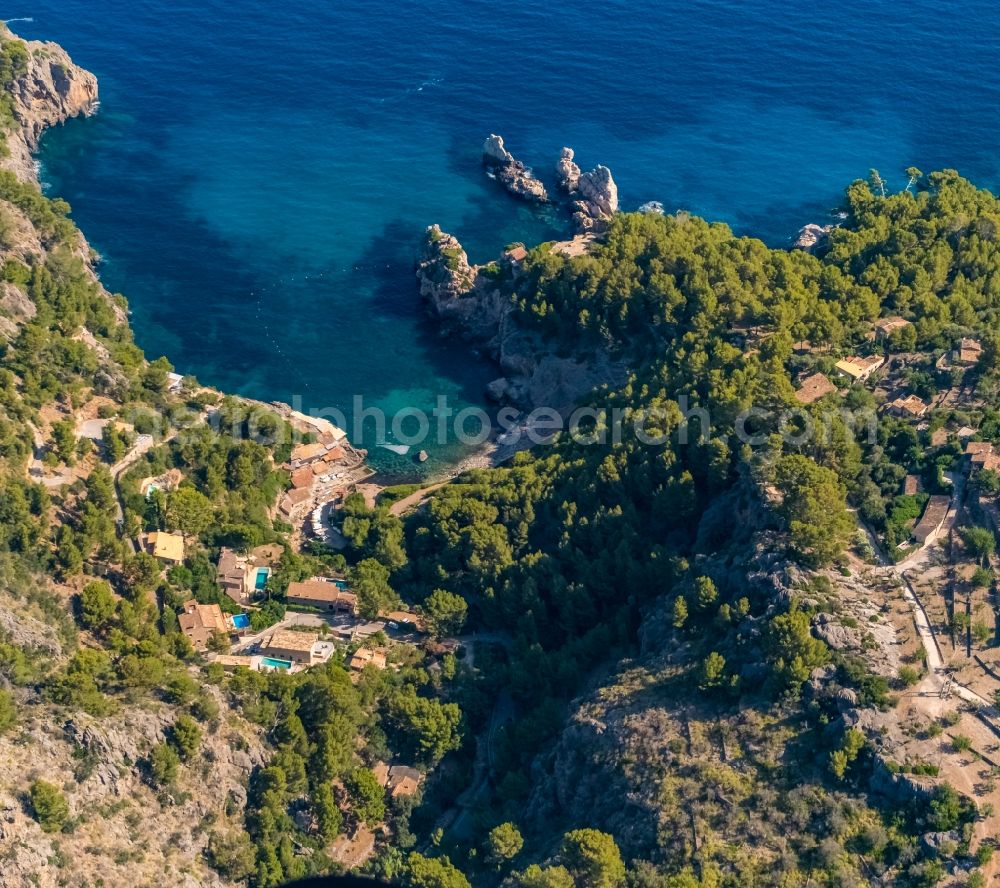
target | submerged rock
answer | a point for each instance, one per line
(511, 172)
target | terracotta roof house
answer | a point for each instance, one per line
(368, 657)
(326, 595)
(813, 388)
(910, 407)
(858, 369)
(233, 576)
(294, 500)
(403, 781)
(199, 622)
(165, 547)
(967, 353)
(934, 513)
(286, 644)
(307, 452)
(977, 451)
(399, 780)
(885, 327)
(939, 437)
(303, 477)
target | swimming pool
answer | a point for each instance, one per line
(341, 584)
(272, 663)
(262, 575)
(241, 621)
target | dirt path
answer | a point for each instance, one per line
(968, 772)
(414, 500)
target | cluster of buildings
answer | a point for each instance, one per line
(982, 455)
(863, 368)
(321, 469)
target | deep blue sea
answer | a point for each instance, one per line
(260, 174)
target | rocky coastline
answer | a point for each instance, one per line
(51, 91)
(475, 301)
(812, 237)
(468, 301)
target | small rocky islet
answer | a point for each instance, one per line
(592, 196)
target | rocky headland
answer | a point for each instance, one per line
(474, 301)
(50, 90)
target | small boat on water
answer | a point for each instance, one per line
(401, 449)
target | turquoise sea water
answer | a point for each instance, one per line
(259, 175)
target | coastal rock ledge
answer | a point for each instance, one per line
(50, 90)
(477, 304)
(511, 172)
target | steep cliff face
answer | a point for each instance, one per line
(51, 90)
(471, 300)
(460, 295)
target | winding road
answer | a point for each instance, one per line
(936, 667)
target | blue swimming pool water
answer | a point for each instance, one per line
(241, 621)
(262, 574)
(272, 663)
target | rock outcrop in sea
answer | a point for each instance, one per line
(52, 90)
(474, 302)
(510, 172)
(567, 171)
(599, 200)
(595, 193)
